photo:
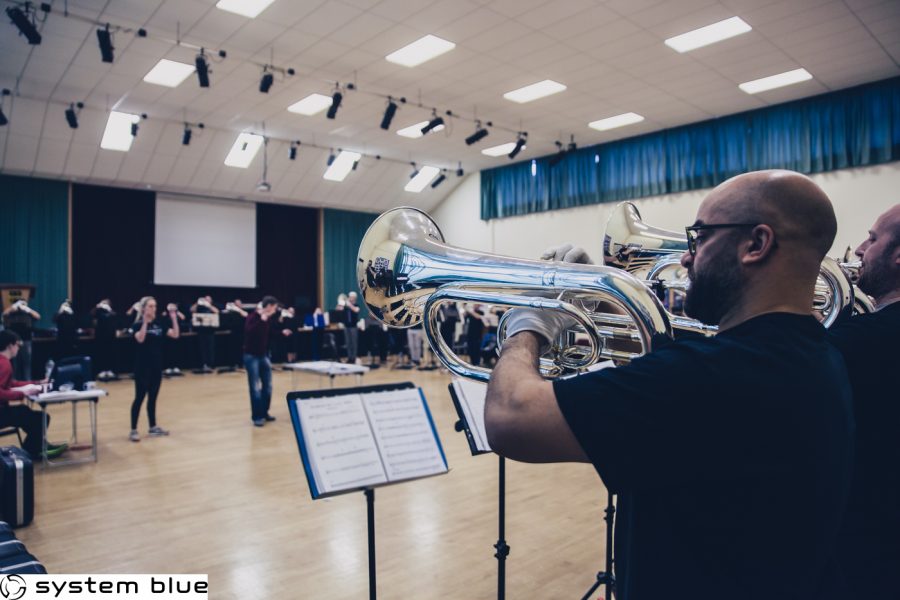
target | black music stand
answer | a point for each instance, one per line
(306, 440)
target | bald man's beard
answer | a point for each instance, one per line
(714, 290)
(875, 277)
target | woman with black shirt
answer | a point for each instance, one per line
(148, 333)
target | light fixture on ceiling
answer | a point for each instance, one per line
(389, 113)
(202, 64)
(499, 150)
(520, 144)
(169, 73)
(553, 160)
(245, 8)
(420, 51)
(72, 114)
(440, 179)
(480, 133)
(704, 36)
(3, 119)
(776, 81)
(341, 166)
(104, 39)
(264, 185)
(24, 21)
(433, 123)
(311, 105)
(244, 150)
(188, 133)
(331, 158)
(336, 99)
(622, 120)
(421, 179)
(415, 171)
(292, 150)
(120, 131)
(535, 91)
(459, 170)
(414, 131)
(267, 80)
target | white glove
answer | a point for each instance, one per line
(548, 324)
(567, 253)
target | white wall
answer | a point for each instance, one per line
(859, 196)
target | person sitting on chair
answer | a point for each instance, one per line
(731, 455)
(12, 392)
(869, 543)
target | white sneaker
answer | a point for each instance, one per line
(134, 436)
(158, 431)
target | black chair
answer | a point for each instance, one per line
(12, 430)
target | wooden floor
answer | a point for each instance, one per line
(222, 497)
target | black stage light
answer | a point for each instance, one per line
(432, 124)
(202, 70)
(26, 27)
(389, 113)
(72, 114)
(3, 119)
(440, 179)
(106, 48)
(355, 164)
(134, 129)
(266, 82)
(330, 158)
(335, 104)
(292, 151)
(186, 136)
(459, 170)
(520, 143)
(479, 135)
(560, 154)
(415, 170)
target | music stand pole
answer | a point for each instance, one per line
(370, 519)
(501, 545)
(606, 578)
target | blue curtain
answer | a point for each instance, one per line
(848, 128)
(342, 231)
(34, 239)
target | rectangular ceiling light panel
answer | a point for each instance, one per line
(534, 91)
(622, 120)
(245, 8)
(415, 131)
(500, 150)
(776, 81)
(169, 73)
(422, 179)
(117, 135)
(420, 51)
(244, 150)
(311, 105)
(341, 166)
(710, 34)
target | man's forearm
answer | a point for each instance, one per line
(518, 365)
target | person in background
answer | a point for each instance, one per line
(149, 333)
(205, 335)
(475, 324)
(66, 331)
(449, 317)
(12, 392)
(105, 339)
(173, 348)
(233, 318)
(351, 330)
(869, 542)
(376, 341)
(318, 321)
(20, 317)
(415, 336)
(287, 340)
(256, 360)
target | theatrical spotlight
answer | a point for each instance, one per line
(186, 136)
(330, 157)
(335, 104)
(134, 126)
(72, 114)
(3, 119)
(292, 151)
(202, 69)
(459, 170)
(104, 38)
(434, 122)
(25, 24)
(389, 113)
(440, 179)
(560, 154)
(266, 82)
(520, 143)
(415, 170)
(480, 133)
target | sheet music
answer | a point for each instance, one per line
(342, 449)
(408, 445)
(471, 396)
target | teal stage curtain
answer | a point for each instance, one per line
(849, 128)
(34, 232)
(342, 231)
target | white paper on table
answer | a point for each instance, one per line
(342, 450)
(403, 431)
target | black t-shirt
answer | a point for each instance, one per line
(870, 345)
(149, 353)
(106, 324)
(21, 322)
(731, 457)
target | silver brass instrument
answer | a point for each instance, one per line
(650, 253)
(406, 272)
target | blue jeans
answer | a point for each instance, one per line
(259, 376)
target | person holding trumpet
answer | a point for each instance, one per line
(731, 455)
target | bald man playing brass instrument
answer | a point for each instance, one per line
(731, 455)
(869, 544)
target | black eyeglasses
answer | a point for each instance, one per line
(694, 231)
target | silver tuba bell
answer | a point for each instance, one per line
(654, 255)
(406, 272)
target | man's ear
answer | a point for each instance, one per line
(760, 245)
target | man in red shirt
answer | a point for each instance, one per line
(12, 412)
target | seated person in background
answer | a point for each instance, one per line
(12, 392)
(21, 318)
(869, 543)
(318, 320)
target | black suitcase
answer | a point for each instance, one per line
(22, 563)
(16, 486)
